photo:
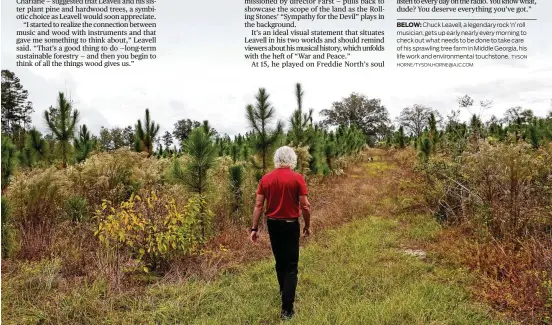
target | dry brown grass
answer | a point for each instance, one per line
(509, 276)
(513, 274)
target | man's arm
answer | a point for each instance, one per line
(259, 203)
(306, 209)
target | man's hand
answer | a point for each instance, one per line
(254, 236)
(306, 231)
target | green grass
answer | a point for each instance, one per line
(355, 274)
(376, 167)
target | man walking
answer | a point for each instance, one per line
(285, 193)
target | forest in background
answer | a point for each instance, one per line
(130, 205)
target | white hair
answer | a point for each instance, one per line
(285, 157)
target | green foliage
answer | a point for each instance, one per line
(349, 140)
(8, 239)
(152, 229)
(9, 155)
(26, 157)
(330, 152)
(209, 131)
(368, 115)
(264, 138)
(235, 152)
(315, 141)
(35, 278)
(236, 175)
(400, 139)
(145, 134)
(37, 144)
(35, 149)
(167, 139)
(115, 138)
(83, 144)
(16, 109)
(476, 126)
(202, 154)
(417, 118)
(299, 121)
(424, 149)
(183, 129)
(62, 124)
(77, 208)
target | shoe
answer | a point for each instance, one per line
(287, 315)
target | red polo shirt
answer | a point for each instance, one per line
(281, 189)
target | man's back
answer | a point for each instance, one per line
(281, 189)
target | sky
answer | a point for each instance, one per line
(200, 73)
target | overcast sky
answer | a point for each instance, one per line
(200, 73)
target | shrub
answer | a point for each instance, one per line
(38, 200)
(445, 192)
(114, 175)
(151, 228)
(406, 157)
(503, 187)
(77, 208)
(8, 161)
(218, 192)
(303, 160)
(7, 230)
(510, 182)
(236, 186)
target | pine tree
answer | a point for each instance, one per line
(330, 152)
(400, 138)
(167, 139)
(37, 144)
(146, 134)
(534, 135)
(195, 173)
(235, 152)
(299, 121)
(236, 186)
(83, 144)
(62, 124)
(209, 131)
(433, 133)
(246, 151)
(9, 156)
(16, 109)
(26, 157)
(260, 117)
(425, 149)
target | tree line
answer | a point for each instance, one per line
(419, 125)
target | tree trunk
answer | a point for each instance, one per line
(64, 153)
(264, 162)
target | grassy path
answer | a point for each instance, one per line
(354, 273)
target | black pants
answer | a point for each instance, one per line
(284, 239)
